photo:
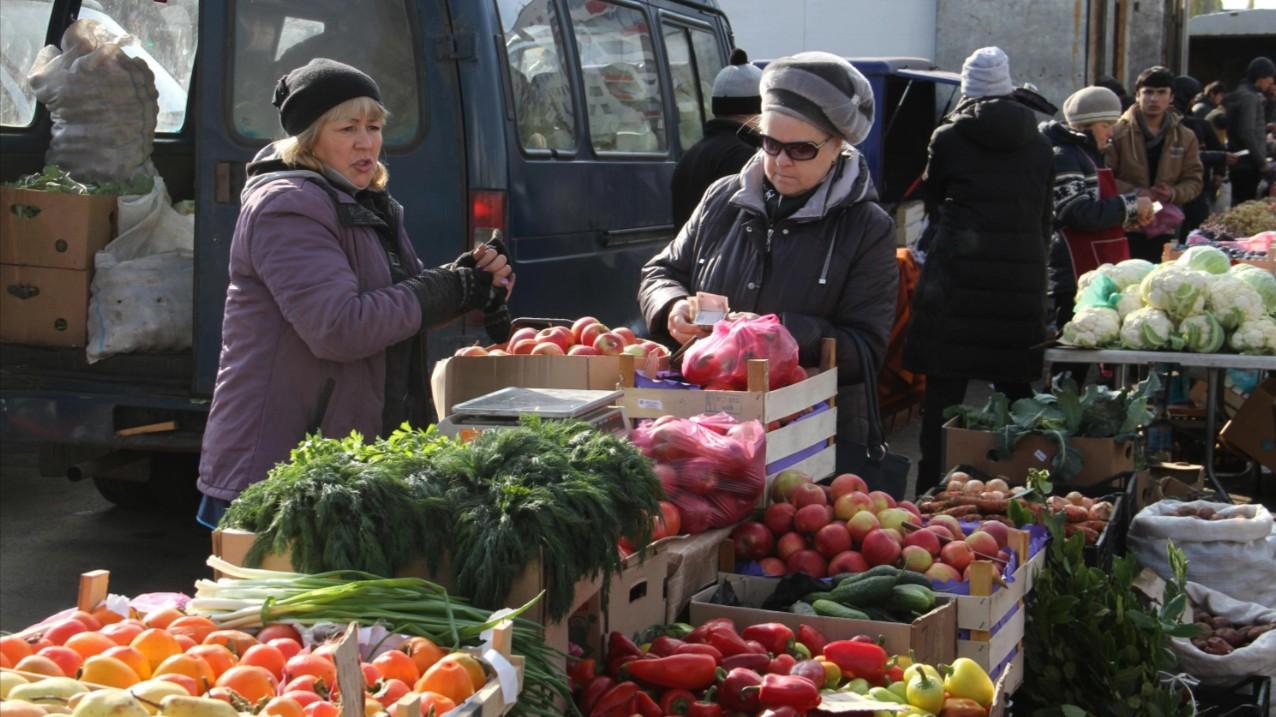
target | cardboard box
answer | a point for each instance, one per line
(695, 561)
(1101, 458)
(54, 229)
(42, 306)
(930, 636)
(1253, 430)
(637, 597)
(461, 378)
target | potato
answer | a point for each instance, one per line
(998, 484)
(1206, 514)
(1234, 637)
(1255, 631)
(1217, 646)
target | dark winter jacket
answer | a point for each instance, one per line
(1247, 124)
(723, 150)
(827, 270)
(980, 305)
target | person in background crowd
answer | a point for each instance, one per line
(1215, 158)
(980, 305)
(1154, 154)
(728, 140)
(1090, 215)
(797, 233)
(1111, 83)
(328, 304)
(1247, 128)
(1209, 99)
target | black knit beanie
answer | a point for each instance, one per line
(306, 93)
(1260, 67)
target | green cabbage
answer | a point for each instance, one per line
(1205, 258)
(1129, 272)
(1260, 280)
(1202, 333)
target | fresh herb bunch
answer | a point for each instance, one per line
(54, 179)
(1100, 646)
(1060, 415)
(342, 504)
(557, 491)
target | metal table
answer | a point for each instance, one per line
(1210, 362)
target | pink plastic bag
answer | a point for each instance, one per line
(720, 361)
(715, 478)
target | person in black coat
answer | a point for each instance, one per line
(1214, 156)
(728, 141)
(979, 309)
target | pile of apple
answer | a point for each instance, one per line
(586, 337)
(842, 527)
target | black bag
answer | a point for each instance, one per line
(880, 469)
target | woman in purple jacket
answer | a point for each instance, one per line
(328, 304)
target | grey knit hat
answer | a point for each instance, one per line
(735, 89)
(1260, 67)
(820, 89)
(1091, 104)
(986, 73)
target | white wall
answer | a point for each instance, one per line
(851, 28)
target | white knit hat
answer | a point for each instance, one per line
(986, 73)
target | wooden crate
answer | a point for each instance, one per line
(806, 445)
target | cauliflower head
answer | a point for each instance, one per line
(1233, 301)
(1176, 290)
(1129, 272)
(1131, 300)
(1205, 258)
(1202, 333)
(1260, 280)
(1146, 329)
(1093, 327)
(1257, 336)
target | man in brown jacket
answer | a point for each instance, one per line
(1153, 154)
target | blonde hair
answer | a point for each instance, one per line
(298, 151)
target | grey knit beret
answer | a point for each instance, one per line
(820, 89)
(1091, 104)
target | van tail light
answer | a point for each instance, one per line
(487, 215)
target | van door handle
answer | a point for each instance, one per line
(638, 235)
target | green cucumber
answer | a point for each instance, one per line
(910, 577)
(803, 608)
(828, 608)
(874, 572)
(913, 597)
(866, 591)
(812, 597)
(879, 615)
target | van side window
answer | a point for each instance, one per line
(23, 24)
(709, 63)
(622, 84)
(273, 37)
(541, 89)
(694, 62)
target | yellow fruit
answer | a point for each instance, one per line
(108, 703)
(152, 692)
(53, 692)
(182, 706)
(9, 680)
(108, 671)
(18, 708)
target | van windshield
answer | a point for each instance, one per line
(273, 37)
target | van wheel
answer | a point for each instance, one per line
(172, 481)
(124, 493)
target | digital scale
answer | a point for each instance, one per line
(501, 409)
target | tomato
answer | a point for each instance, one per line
(668, 523)
(267, 656)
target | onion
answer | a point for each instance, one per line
(958, 477)
(998, 484)
(973, 486)
(1075, 498)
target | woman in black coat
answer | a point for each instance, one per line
(980, 306)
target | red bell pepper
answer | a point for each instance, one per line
(739, 691)
(701, 634)
(646, 706)
(812, 638)
(677, 702)
(781, 665)
(789, 691)
(776, 637)
(581, 671)
(696, 649)
(867, 639)
(620, 649)
(757, 648)
(857, 659)
(728, 641)
(589, 696)
(749, 661)
(665, 646)
(812, 670)
(894, 673)
(688, 672)
(615, 700)
(706, 707)
(782, 712)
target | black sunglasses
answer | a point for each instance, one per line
(797, 151)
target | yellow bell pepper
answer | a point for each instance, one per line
(925, 691)
(967, 679)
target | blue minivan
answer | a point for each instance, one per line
(555, 122)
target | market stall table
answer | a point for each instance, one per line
(1210, 362)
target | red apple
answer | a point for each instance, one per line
(881, 500)
(778, 517)
(808, 494)
(773, 566)
(848, 561)
(471, 351)
(941, 531)
(654, 348)
(911, 508)
(787, 481)
(998, 531)
(579, 325)
(788, 544)
(957, 554)
(668, 523)
(523, 347)
(809, 562)
(625, 335)
(861, 524)
(498, 352)
(951, 523)
(832, 539)
(582, 350)
(917, 558)
(590, 333)
(523, 333)
(609, 344)
(846, 506)
(547, 348)
(848, 483)
(983, 543)
(560, 335)
(879, 548)
(942, 573)
(809, 519)
(635, 350)
(924, 539)
(894, 518)
(752, 540)
(896, 534)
